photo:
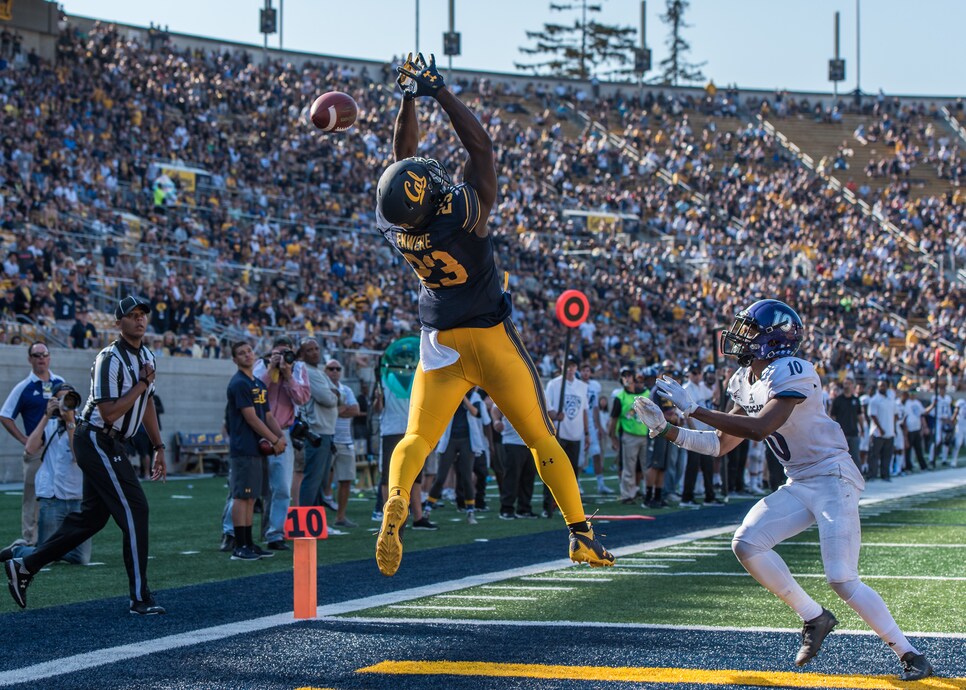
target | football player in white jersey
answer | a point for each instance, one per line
(777, 398)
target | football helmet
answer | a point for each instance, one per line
(768, 329)
(411, 190)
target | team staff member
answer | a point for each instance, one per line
(29, 400)
(468, 339)
(628, 435)
(249, 420)
(121, 398)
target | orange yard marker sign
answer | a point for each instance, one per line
(304, 526)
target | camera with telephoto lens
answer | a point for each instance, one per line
(288, 356)
(300, 433)
(70, 401)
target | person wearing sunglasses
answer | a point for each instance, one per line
(28, 400)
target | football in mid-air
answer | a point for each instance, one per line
(334, 111)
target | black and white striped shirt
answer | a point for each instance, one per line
(114, 373)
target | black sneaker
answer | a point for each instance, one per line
(147, 608)
(278, 546)
(262, 552)
(504, 515)
(227, 542)
(244, 553)
(19, 580)
(813, 633)
(914, 666)
(424, 524)
(526, 515)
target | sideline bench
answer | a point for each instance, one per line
(193, 449)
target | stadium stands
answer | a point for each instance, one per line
(236, 219)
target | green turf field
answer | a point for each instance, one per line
(918, 566)
(185, 531)
(699, 583)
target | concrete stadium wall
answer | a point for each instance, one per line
(192, 391)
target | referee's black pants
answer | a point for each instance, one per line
(111, 490)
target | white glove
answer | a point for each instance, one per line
(649, 414)
(674, 391)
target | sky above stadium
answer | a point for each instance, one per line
(907, 47)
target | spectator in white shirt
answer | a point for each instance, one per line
(882, 417)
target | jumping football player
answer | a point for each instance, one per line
(467, 338)
(778, 399)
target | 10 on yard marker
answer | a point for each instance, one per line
(304, 525)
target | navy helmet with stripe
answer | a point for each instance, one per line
(411, 190)
(768, 329)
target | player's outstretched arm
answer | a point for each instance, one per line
(405, 135)
(775, 412)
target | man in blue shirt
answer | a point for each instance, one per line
(249, 421)
(28, 399)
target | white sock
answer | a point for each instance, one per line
(773, 574)
(600, 482)
(866, 602)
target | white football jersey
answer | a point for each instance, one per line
(809, 443)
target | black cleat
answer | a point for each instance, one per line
(147, 608)
(813, 634)
(914, 666)
(584, 548)
(19, 580)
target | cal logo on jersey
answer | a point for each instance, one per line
(258, 395)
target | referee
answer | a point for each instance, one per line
(122, 396)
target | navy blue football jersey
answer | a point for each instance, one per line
(459, 285)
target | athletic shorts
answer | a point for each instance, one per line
(660, 452)
(344, 462)
(246, 476)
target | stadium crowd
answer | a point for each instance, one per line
(265, 225)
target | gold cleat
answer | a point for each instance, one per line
(388, 545)
(584, 548)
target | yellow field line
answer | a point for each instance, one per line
(658, 675)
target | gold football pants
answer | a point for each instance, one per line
(495, 360)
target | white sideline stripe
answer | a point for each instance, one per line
(529, 588)
(443, 608)
(485, 597)
(883, 544)
(636, 626)
(110, 655)
(551, 578)
(622, 564)
(653, 560)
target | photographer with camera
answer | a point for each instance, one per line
(59, 481)
(318, 417)
(288, 389)
(28, 400)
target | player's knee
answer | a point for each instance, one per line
(413, 446)
(845, 588)
(745, 550)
